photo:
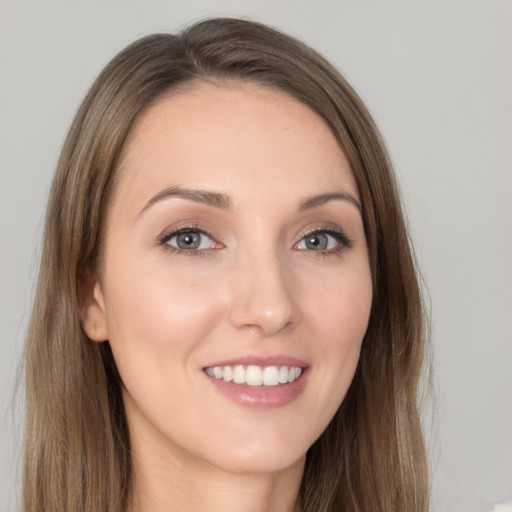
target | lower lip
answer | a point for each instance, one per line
(261, 397)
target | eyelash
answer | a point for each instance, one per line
(162, 240)
(344, 242)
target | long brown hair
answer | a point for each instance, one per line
(77, 446)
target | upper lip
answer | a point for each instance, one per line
(261, 360)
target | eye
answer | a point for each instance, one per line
(324, 241)
(188, 240)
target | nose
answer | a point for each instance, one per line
(263, 295)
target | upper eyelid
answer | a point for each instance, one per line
(164, 239)
(169, 233)
(334, 230)
(330, 229)
(321, 229)
(344, 242)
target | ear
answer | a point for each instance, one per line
(94, 315)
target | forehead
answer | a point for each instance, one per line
(239, 137)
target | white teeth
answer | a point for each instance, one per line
(227, 374)
(255, 375)
(239, 375)
(271, 376)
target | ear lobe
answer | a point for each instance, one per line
(94, 316)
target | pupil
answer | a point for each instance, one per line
(188, 240)
(318, 242)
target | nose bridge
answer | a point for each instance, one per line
(262, 294)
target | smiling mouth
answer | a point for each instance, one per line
(253, 375)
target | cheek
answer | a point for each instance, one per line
(157, 310)
(338, 312)
(339, 306)
(157, 320)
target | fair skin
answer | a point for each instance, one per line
(233, 240)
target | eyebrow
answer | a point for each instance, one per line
(215, 199)
(223, 201)
(314, 201)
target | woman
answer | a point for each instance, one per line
(227, 313)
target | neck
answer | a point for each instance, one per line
(173, 482)
(222, 493)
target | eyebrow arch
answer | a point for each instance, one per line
(215, 199)
(314, 201)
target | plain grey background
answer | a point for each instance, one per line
(437, 77)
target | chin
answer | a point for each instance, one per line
(260, 457)
(261, 464)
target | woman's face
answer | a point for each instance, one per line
(235, 260)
